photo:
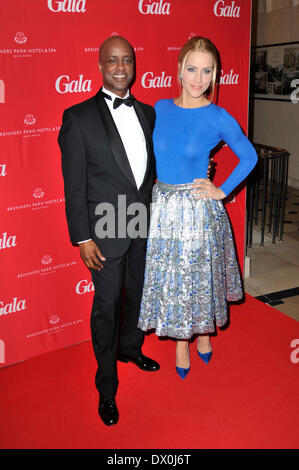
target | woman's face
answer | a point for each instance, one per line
(197, 74)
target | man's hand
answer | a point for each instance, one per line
(91, 255)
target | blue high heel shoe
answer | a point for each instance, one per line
(206, 357)
(182, 372)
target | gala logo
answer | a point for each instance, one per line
(3, 171)
(84, 286)
(295, 353)
(147, 7)
(230, 78)
(294, 97)
(7, 241)
(67, 6)
(231, 11)
(149, 81)
(63, 85)
(14, 306)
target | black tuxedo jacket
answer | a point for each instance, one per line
(96, 169)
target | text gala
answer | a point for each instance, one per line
(147, 7)
(12, 307)
(63, 85)
(84, 286)
(231, 11)
(7, 241)
(149, 81)
(70, 6)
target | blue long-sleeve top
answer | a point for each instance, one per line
(184, 137)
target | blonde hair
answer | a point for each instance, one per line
(200, 44)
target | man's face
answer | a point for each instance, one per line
(117, 66)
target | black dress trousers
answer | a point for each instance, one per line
(115, 313)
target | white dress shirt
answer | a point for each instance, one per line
(132, 137)
(131, 134)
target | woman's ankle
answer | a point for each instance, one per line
(204, 344)
(182, 354)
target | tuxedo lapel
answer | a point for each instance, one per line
(114, 138)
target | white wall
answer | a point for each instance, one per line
(276, 123)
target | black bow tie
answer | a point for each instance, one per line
(118, 101)
(127, 101)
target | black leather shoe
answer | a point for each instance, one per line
(108, 411)
(141, 361)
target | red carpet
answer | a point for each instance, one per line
(247, 397)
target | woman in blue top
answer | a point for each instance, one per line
(191, 268)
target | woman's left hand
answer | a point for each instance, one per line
(205, 188)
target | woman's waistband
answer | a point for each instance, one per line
(174, 187)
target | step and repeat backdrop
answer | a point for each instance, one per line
(49, 61)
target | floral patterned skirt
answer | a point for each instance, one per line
(191, 268)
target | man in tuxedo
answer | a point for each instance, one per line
(106, 147)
